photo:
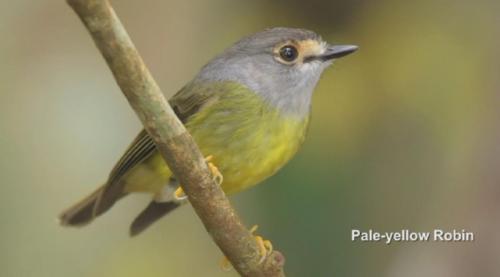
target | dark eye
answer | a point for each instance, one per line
(288, 53)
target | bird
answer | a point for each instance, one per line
(248, 109)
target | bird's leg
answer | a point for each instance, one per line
(265, 249)
(179, 194)
(265, 246)
(165, 194)
(216, 175)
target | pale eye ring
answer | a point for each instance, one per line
(289, 53)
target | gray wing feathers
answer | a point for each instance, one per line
(185, 103)
(141, 148)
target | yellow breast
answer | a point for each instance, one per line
(248, 139)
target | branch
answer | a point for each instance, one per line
(173, 141)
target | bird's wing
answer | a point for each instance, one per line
(185, 103)
(194, 97)
(140, 148)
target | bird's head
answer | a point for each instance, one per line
(283, 65)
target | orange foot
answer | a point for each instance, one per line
(265, 246)
(179, 194)
(265, 249)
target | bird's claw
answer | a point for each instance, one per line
(265, 246)
(217, 176)
(179, 194)
(265, 249)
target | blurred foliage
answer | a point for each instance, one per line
(404, 135)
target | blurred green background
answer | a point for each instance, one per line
(405, 135)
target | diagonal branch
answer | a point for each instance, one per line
(173, 141)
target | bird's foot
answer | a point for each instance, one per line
(179, 194)
(216, 175)
(165, 193)
(265, 249)
(265, 246)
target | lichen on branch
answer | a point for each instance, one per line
(175, 144)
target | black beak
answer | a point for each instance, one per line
(337, 51)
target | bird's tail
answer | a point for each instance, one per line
(102, 199)
(153, 212)
(83, 212)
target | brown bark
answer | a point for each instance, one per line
(173, 141)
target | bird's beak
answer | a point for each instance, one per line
(337, 51)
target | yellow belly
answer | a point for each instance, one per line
(249, 141)
(248, 157)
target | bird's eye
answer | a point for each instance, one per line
(288, 53)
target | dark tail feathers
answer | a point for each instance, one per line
(92, 206)
(101, 200)
(83, 212)
(151, 214)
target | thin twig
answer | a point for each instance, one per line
(173, 141)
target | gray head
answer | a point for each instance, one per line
(283, 65)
